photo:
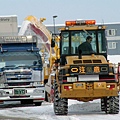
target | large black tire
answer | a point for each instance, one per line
(60, 104)
(38, 103)
(26, 101)
(46, 96)
(103, 103)
(112, 105)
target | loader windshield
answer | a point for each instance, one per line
(72, 39)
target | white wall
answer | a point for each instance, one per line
(8, 25)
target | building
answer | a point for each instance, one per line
(8, 25)
(113, 38)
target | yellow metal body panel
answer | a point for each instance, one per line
(70, 59)
(83, 27)
(99, 85)
(94, 90)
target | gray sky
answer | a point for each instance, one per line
(106, 11)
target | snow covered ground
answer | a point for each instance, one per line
(114, 58)
(77, 110)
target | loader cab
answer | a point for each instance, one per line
(75, 33)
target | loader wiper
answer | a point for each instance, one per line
(86, 32)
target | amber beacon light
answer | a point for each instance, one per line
(80, 22)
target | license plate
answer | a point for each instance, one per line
(88, 78)
(19, 91)
(79, 86)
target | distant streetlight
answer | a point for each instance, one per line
(55, 16)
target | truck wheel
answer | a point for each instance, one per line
(26, 101)
(38, 103)
(60, 104)
(103, 103)
(112, 105)
(46, 96)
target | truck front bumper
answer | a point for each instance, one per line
(18, 94)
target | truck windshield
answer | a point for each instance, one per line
(72, 39)
(18, 58)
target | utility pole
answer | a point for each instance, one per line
(55, 16)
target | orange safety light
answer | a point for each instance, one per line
(90, 22)
(70, 23)
(80, 22)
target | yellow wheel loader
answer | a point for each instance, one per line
(83, 75)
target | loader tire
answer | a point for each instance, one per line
(103, 103)
(112, 105)
(60, 104)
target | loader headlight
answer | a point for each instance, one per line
(74, 70)
(71, 79)
(100, 27)
(104, 69)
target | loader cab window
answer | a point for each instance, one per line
(78, 37)
(70, 40)
(65, 43)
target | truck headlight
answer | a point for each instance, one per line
(36, 83)
(2, 92)
(39, 83)
(37, 91)
(71, 79)
(2, 85)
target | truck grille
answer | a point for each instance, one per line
(18, 78)
(19, 84)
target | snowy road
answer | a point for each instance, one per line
(77, 111)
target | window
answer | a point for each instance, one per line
(70, 41)
(78, 37)
(101, 42)
(19, 58)
(111, 45)
(65, 42)
(111, 32)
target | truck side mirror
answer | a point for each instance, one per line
(52, 43)
(35, 63)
